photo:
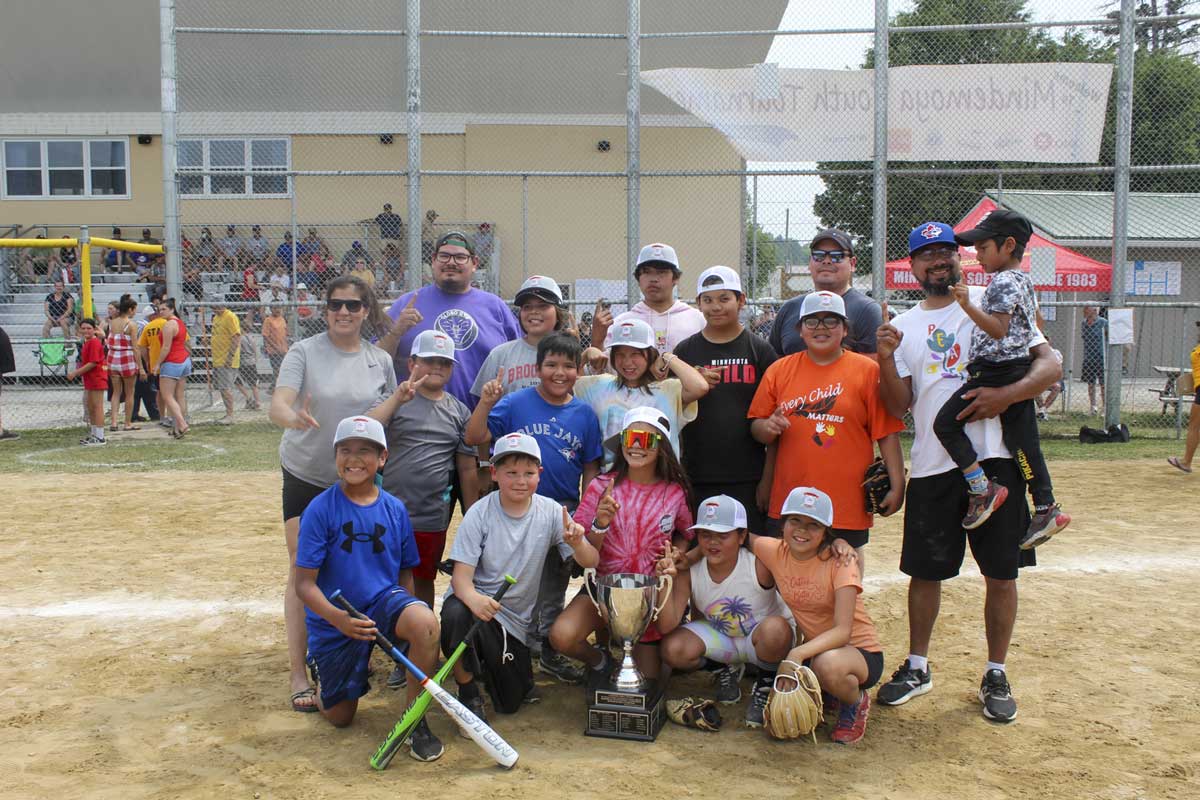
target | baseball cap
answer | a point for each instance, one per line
(433, 344)
(541, 287)
(658, 254)
(301, 285)
(721, 514)
(1000, 222)
(841, 237)
(818, 302)
(805, 501)
(360, 428)
(728, 280)
(930, 233)
(647, 414)
(632, 333)
(457, 238)
(512, 443)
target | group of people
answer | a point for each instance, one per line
(678, 442)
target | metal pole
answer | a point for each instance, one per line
(524, 227)
(754, 239)
(413, 116)
(85, 271)
(295, 234)
(1069, 361)
(1125, 52)
(170, 189)
(879, 220)
(633, 162)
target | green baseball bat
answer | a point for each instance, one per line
(400, 733)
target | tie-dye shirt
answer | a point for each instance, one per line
(648, 516)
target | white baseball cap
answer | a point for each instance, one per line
(360, 428)
(818, 302)
(727, 279)
(433, 344)
(721, 513)
(658, 253)
(541, 287)
(516, 443)
(647, 414)
(632, 333)
(302, 285)
(805, 501)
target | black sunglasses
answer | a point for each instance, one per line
(353, 306)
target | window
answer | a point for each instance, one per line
(267, 160)
(66, 168)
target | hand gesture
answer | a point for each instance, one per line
(778, 422)
(602, 316)
(571, 327)
(596, 359)
(572, 530)
(962, 294)
(482, 606)
(304, 419)
(713, 376)
(666, 564)
(888, 336)
(493, 390)
(409, 316)
(408, 389)
(354, 627)
(607, 508)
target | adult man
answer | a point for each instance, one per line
(672, 320)
(226, 354)
(832, 264)
(117, 260)
(923, 355)
(145, 391)
(58, 307)
(391, 226)
(231, 247)
(1094, 330)
(285, 253)
(258, 248)
(353, 255)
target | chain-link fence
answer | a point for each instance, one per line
(295, 160)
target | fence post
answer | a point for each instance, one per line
(85, 271)
(524, 229)
(413, 119)
(170, 187)
(1124, 135)
(753, 243)
(879, 170)
(633, 165)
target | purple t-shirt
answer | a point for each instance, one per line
(477, 321)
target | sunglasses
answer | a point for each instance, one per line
(352, 306)
(644, 440)
(835, 256)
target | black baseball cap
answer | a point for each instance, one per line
(841, 237)
(1001, 222)
(457, 238)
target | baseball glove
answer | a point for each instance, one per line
(794, 707)
(876, 484)
(695, 713)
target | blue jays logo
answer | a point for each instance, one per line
(459, 326)
(931, 231)
(945, 353)
(352, 537)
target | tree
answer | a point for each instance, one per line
(766, 256)
(1158, 35)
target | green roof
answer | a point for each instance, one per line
(1066, 215)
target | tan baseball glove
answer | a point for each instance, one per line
(695, 713)
(794, 706)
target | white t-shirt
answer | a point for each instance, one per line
(737, 604)
(934, 352)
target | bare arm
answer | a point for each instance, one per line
(896, 392)
(312, 597)
(837, 636)
(284, 414)
(590, 470)
(893, 459)
(468, 478)
(694, 384)
(462, 583)
(672, 611)
(477, 432)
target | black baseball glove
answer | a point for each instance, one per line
(876, 485)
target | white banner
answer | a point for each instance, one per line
(1051, 113)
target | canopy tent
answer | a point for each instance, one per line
(1054, 268)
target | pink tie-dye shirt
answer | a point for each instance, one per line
(648, 516)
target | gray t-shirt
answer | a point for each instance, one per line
(863, 314)
(423, 437)
(519, 360)
(1010, 292)
(341, 385)
(498, 545)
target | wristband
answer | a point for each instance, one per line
(597, 529)
(484, 463)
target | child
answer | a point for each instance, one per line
(568, 433)
(824, 593)
(509, 532)
(738, 617)
(92, 366)
(634, 514)
(540, 312)
(358, 539)
(720, 455)
(632, 354)
(1006, 324)
(247, 376)
(275, 339)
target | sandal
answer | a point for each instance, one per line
(305, 694)
(131, 428)
(1177, 464)
(113, 427)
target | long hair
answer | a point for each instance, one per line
(377, 323)
(126, 304)
(666, 467)
(647, 377)
(824, 549)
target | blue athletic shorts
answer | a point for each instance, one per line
(177, 370)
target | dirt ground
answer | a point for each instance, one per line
(143, 656)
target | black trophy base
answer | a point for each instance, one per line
(635, 716)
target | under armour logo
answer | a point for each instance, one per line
(373, 538)
(931, 231)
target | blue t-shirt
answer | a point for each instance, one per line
(358, 549)
(568, 435)
(284, 253)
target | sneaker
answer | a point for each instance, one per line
(728, 677)
(398, 678)
(758, 702)
(906, 683)
(852, 721)
(981, 507)
(470, 696)
(93, 441)
(533, 696)
(423, 745)
(1044, 525)
(166, 422)
(598, 676)
(829, 704)
(7, 435)
(1042, 415)
(996, 696)
(559, 666)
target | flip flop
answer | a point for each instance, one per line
(302, 695)
(1174, 462)
(112, 427)
(131, 428)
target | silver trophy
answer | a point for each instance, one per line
(628, 603)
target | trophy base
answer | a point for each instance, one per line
(634, 716)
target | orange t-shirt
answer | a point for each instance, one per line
(836, 417)
(275, 334)
(808, 588)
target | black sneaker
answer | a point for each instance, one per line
(533, 696)
(597, 677)
(398, 678)
(6, 435)
(423, 745)
(470, 696)
(905, 684)
(729, 690)
(758, 702)
(559, 666)
(996, 696)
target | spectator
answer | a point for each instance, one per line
(310, 321)
(37, 263)
(485, 242)
(68, 258)
(111, 314)
(832, 263)
(281, 277)
(59, 309)
(363, 272)
(1193, 432)
(173, 367)
(285, 253)
(145, 393)
(1094, 330)
(585, 330)
(274, 294)
(429, 236)
(148, 239)
(115, 260)
(393, 265)
(313, 244)
(226, 349)
(193, 281)
(232, 250)
(352, 255)
(275, 339)
(258, 249)
(122, 361)
(8, 363)
(391, 226)
(247, 379)
(250, 287)
(207, 254)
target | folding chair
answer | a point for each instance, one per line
(54, 356)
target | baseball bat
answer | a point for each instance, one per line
(478, 730)
(416, 712)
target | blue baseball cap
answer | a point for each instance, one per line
(928, 233)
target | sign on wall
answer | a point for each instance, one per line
(1154, 278)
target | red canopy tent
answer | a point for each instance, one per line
(1072, 272)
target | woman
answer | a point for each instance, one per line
(322, 380)
(173, 367)
(122, 362)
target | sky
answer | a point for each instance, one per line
(788, 201)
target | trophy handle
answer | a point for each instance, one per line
(664, 593)
(589, 577)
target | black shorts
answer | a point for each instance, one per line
(854, 538)
(934, 541)
(499, 659)
(297, 494)
(874, 661)
(1092, 371)
(743, 492)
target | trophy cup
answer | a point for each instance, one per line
(628, 706)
